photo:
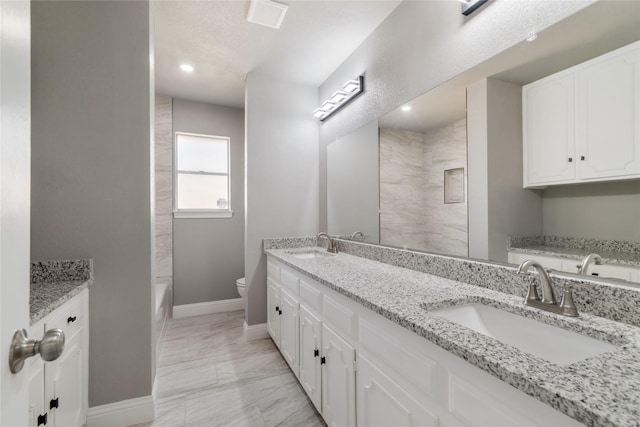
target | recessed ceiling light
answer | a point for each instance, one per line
(406, 108)
(187, 68)
(531, 36)
(266, 12)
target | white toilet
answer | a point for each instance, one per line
(240, 286)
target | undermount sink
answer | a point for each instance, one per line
(551, 343)
(311, 254)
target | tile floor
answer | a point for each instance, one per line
(209, 376)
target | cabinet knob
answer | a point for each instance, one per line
(277, 308)
(323, 360)
(54, 403)
(42, 419)
(71, 319)
(581, 157)
(570, 159)
(316, 353)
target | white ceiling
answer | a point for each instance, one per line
(597, 29)
(214, 36)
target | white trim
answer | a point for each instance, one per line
(255, 332)
(123, 413)
(200, 308)
(201, 214)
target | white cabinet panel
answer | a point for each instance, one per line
(310, 295)
(289, 330)
(383, 403)
(339, 316)
(583, 124)
(273, 310)
(64, 386)
(289, 280)
(310, 346)
(338, 380)
(549, 140)
(608, 128)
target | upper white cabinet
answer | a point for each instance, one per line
(583, 124)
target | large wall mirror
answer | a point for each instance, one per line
(443, 173)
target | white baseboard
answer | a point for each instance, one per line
(122, 414)
(210, 307)
(255, 332)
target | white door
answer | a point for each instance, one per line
(608, 123)
(310, 368)
(273, 311)
(289, 331)
(382, 402)
(338, 380)
(548, 131)
(15, 151)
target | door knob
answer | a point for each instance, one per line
(49, 348)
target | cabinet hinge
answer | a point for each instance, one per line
(42, 419)
(323, 360)
(316, 353)
(355, 366)
(54, 403)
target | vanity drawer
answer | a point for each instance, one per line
(273, 270)
(311, 295)
(289, 280)
(339, 316)
(69, 317)
(412, 366)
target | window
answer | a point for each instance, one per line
(202, 176)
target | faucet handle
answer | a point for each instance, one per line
(566, 304)
(532, 293)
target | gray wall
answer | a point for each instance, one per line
(607, 210)
(281, 177)
(353, 196)
(91, 175)
(421, 45)
(208, 253)
(498, 205)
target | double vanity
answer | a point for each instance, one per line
(59, 299)
(383, 336)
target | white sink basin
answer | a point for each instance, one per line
(311, 254)
(551, 343)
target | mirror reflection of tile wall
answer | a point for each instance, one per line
(164, 189)
(412, 208)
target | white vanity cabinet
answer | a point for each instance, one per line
(615, 271)
(58, 390)
(583, 124)
(361, 369)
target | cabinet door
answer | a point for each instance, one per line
(64, 386)
(608, 116)
(382, 402)
(310, 377)
(289, 331)
(36, 388)
(548, 131)
(273, 310)
(338, 380)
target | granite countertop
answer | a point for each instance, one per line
(55, 282)
(611, 251)
(599, 391)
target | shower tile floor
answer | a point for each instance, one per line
(208, 375)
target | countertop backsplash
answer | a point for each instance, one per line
(611, 299)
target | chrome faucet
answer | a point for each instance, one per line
(548, 301)
(591, 258)
(357, 234)
(331, 247)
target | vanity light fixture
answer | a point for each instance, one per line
(187, 68)
(469, 6)
(350, 90)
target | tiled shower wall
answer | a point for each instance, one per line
(164, 189)
(412, 208)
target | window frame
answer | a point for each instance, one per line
(201, 213)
